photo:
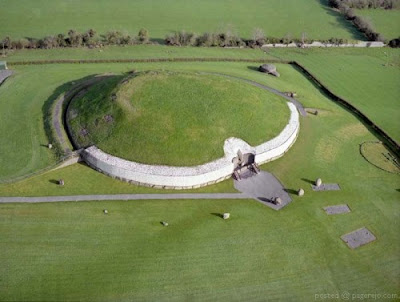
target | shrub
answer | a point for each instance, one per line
(143, 36)
(181, 38)
(395, 43)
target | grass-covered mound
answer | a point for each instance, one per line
(174, 118)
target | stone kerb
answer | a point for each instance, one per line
(169, 177)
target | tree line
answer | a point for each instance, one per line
(74, 38)
(366, 4)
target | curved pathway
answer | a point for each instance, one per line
(166, 196)
(295, 102)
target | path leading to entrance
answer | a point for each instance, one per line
(264, 187)
(124, 197)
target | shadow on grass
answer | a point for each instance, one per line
(308, 180)
(71, 89)
(254, 68)
(54, 181)
(348, 25)
(291, 191)
(218, 215)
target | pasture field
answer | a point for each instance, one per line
(386, 22)
(72, 251)
(41, 18)
(368, 78)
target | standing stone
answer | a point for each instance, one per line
(164, 223)
(105, 211)
(226, 215)
(318, 182)
(278, 200)
(300, 192)
(61, 182)
(50, 146)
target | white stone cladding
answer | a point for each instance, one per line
(170, 177)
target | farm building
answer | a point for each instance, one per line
(3, 65)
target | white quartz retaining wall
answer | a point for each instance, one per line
(168, 177)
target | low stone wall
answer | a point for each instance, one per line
(168, 177)
(320, 44)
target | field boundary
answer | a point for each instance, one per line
(149, 60)
(393, 145)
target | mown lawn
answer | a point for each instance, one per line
(367, 78)
(386, 22)
(72, 251)
(41, 18)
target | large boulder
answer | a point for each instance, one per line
(269, 68)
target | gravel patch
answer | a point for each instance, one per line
(358, 238)
(326, 187)
(339, 209)
(4, 74)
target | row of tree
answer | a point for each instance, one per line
(362, 4)
(362, 24)
(229, 38)
(76, 39)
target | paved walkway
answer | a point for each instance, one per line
(264, 187)
(124, 197)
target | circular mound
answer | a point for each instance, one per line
(377, 154)
(173, 118)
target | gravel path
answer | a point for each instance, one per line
(4, 74)
(124, 197)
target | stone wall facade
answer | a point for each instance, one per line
(168, 177)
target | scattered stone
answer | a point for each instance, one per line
(326, 187)
(338, 209)
(358, 238)
(300, 192)
(164, 223)
(226, 215)
(105, 211)
(316, 112)
(61, 182)
(73, 114)
(84, 132)
(269, 68)
(318, 182)
(50, 146)
(108, 118)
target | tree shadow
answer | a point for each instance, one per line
(346, 24)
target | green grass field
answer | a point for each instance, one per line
(160, 17)
(386, 22)
(72, 251)
(369, 79)
(174, 118)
